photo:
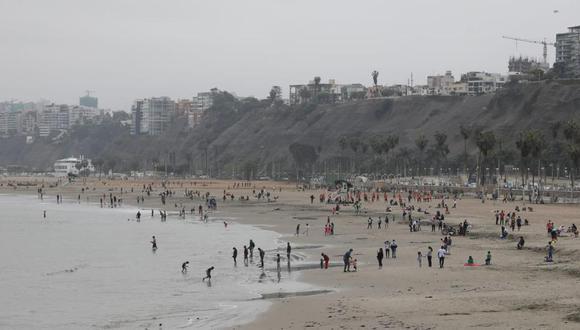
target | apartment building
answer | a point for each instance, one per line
(152, 116)
(568, 53)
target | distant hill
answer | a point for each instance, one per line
(252, 137)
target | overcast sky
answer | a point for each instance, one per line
(128, 49)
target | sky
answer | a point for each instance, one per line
(128, 49)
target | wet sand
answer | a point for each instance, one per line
(519, 290)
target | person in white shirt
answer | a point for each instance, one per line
(441, 255)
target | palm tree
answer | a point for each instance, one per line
(354, 143)
(441, 147)
(388, 144)
(485, 141)
(343, 142)
(465, 134)
(404, 154)
(421, 142)
(572, 135)
(524, 148)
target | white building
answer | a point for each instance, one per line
(204, 100)
(52, 118)
(440, 84)
(483, 82)
(568, 52)
(66, 166)
(80, 115)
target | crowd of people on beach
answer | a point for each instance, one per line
(413, 205)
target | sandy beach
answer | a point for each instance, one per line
(518, 291)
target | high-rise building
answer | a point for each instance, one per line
(89, 101)
(136, 117)
(203, 101)
(568, 53)
(152, 116)
(53, 118)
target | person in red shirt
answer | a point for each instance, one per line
(326, 260)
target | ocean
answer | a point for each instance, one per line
(86, 267)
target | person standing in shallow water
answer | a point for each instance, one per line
(184, 267)
(288, 250)
(154, 243)
(252, 246)
(208, 274)
(245, 255)
(262, 254)
(235, 256)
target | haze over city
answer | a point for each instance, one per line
(124, 50)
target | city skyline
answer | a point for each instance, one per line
(125, 50)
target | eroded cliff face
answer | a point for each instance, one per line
(262, 135)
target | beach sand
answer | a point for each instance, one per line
(519, 290)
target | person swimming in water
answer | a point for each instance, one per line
(184, 267)
(208, 274)
(154, 243)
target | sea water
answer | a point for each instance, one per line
(86, 267)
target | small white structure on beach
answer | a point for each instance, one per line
(73, 166)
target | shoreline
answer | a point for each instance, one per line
(236, 212)
(513, 290)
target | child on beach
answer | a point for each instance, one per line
(419, 258)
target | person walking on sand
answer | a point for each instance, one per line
(420, 258)
(346, 260)
(429, 256)
(154, 243)
(184, 267)
(550, 248)
(394, 249)
(387, 249)
(380, 257)
(441, 256)
(208, 274)
(370, 223)
(245, 255)
(235, 256)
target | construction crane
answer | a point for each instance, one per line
(544, 42)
